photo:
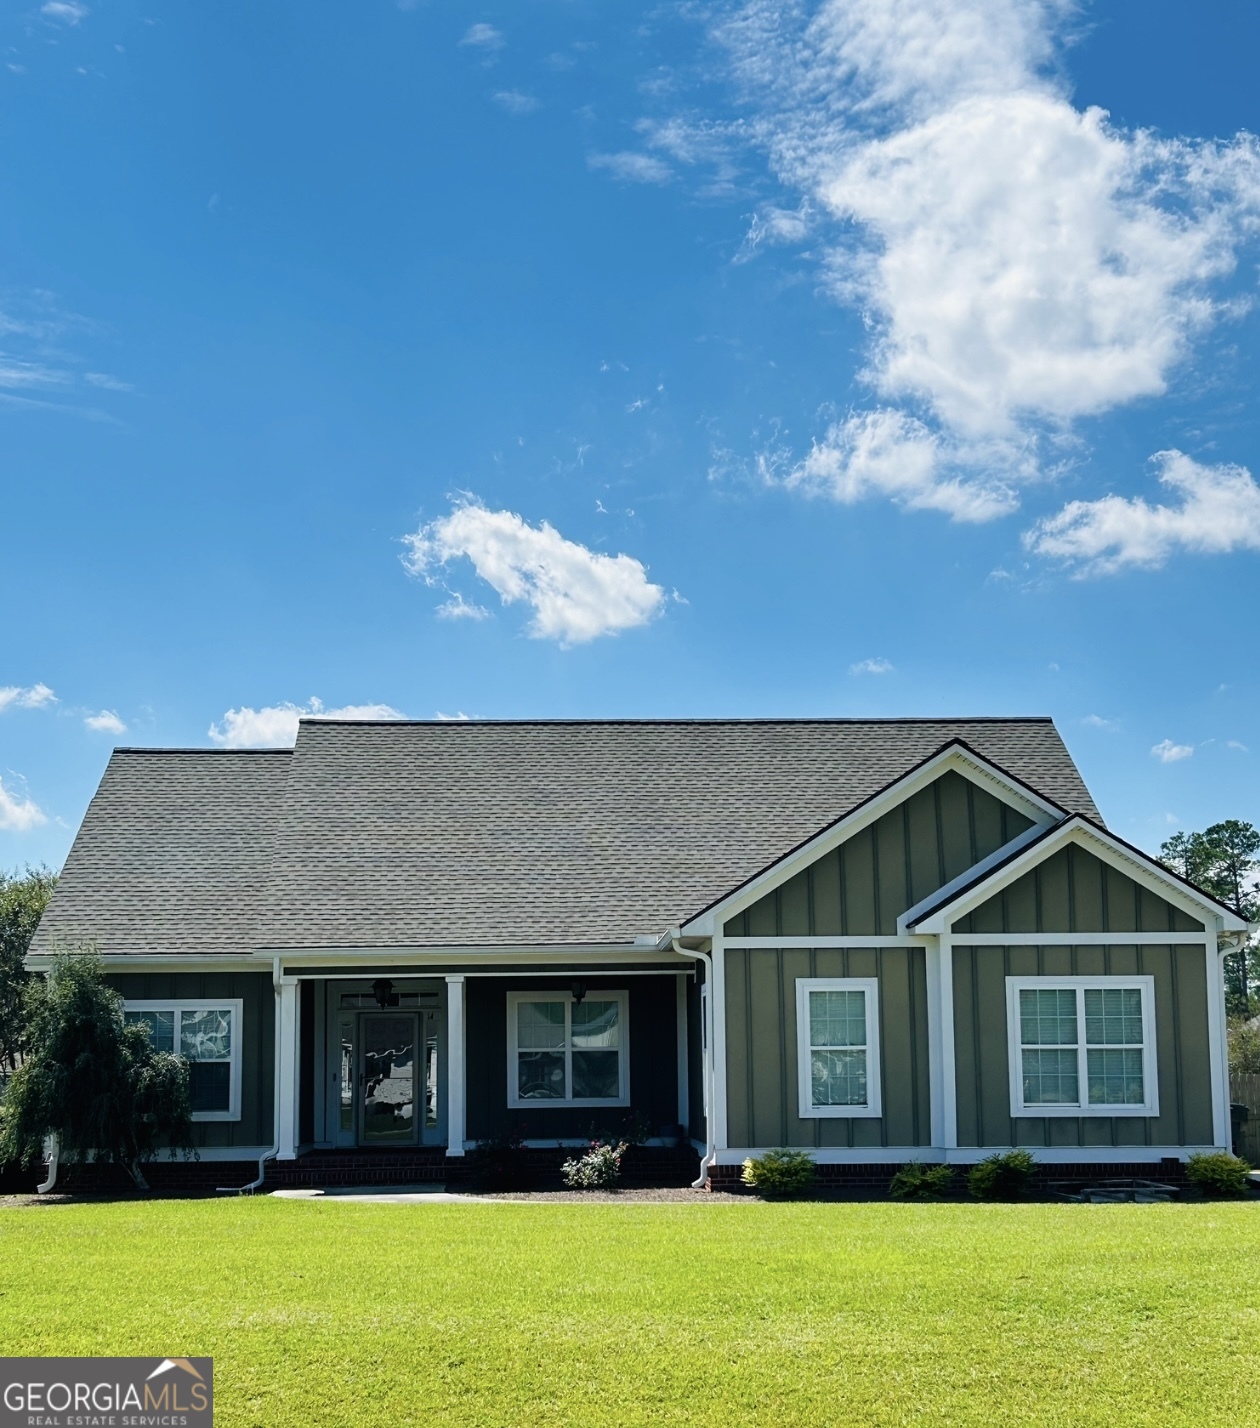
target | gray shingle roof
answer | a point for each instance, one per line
(473, 834)
(172, 854)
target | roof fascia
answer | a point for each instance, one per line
(1131, 861)
(157, 961)
(515, 953)
(956, 756)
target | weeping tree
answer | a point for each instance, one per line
(23, 898)
(1224, 860)
(91, 1079)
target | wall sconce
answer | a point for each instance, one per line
(383, 991)
(579, 991)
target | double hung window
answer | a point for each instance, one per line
(1082, 1046)
(566, 1053)
(207, 1035)
(837, 1035)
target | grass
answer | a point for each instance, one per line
(505, 1313)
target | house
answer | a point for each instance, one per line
(875, 939)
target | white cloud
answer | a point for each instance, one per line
(1022, 263)
(457, 608)
(886, 453)
(66, 12)
(576, 594)
(632, 167)
(106, 382)
(276, 725)
(514, 102)
(35, 696)
(483, 37)
(1218, 511)
(18, 814)
(1169, 753)
(1096, 721)
(459, 717)
(1235, 744)
(879, 665)
(106, 722)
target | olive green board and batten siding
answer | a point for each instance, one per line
(761, 1046)
(982, 1055)
(257, 1053)
(862, 887)
(1072, 890)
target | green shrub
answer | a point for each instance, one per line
(780, 1173)
(501, 1163)
(1219, 1174)
(598, 1169)
(916, 1181)
(1002, 1177)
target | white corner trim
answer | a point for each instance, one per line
(970, 765)
(1093, 840)
(1218, 1044)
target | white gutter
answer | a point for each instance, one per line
(274, 1149)
(706, 1059)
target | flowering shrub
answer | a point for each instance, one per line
(598, 1169)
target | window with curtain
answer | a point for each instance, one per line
(566, 1053)
(1082, 1045)
(206, 1035)
(838, 1046)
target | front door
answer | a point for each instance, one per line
(387, 1078)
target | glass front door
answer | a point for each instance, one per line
(387, 1079)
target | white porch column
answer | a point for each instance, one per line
(456, 1105)
(287, 1069)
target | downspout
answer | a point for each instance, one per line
(707, 1041)
(274, 1149)
(53, 1146)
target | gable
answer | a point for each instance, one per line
(860, 887)
(1072, 890)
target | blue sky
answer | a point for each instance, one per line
(577, 359)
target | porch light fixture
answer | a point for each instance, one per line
(579, 991)
(383, 991)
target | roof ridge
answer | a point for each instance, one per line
(726, 720)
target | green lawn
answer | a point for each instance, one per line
(508, 1313)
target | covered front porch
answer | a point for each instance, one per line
(410, 1064)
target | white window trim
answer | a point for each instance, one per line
(1150, 1067)
(234, 1005)
(514, 999)
(805, 1089)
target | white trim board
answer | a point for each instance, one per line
(953, 758)
(1093, 840)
